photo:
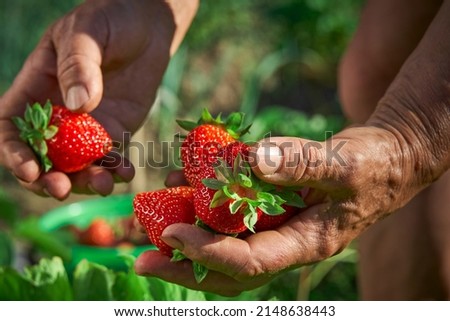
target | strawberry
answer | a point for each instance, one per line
(99, 233)
(231, 200)
(156, 210)
(205, 138)
(269, 222)
(64, 141)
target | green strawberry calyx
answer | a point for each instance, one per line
(35, 129)
(246, 193)
(200, 271)
(233, 124)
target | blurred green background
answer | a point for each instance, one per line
(274, 60)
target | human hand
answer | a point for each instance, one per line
(106, 57)
(350, 190)
(357, 177)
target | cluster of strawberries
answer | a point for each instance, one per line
(223, 195)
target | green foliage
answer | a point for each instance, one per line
(238, 54)
(49, 280)
(23, 23)
(283, 121)
(46, 281)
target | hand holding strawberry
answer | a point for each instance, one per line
(63, 140)
(224, 197)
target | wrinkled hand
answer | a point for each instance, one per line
(106, 57)
(356, 178)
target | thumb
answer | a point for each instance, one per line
(292, 161)
(79, 58)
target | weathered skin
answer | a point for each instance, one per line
(394, 82)
(117, 50)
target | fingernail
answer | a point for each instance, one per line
(172, 242)
(269, 158)
(76, 97)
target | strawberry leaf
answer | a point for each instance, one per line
(291, 198)
(234, 121)
(28, 114)
(223, 172)
(206, 117)
(21, 124)
(236, 205)
(200, 272)
(250, 217)
(244, 180)
(271, 209)
(50, 132)
(266, 197)
(186, 124)
(218, 199)
(213, 183)
(177, 256)
(230, 194)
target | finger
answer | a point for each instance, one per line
(308, 237)
(93, 180)
(265, 253)
(52, 184)
(176, 178)
(296, 162)
(78, 40)
(153, 263)
(120, 167)
(18, 158)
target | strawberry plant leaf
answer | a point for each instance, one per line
(266, 197)
(291, 198)
(128, 286)
(218, 199)
(42, 147)
(206, 117)
(28, 112)
(250, 217)
(234, 121)
(50, 132)
(47, 281)
(200, 272)
(213, 183)
(223, 171)
(177, 256)
(92, 282)
(235, 206)
(21, 124)
(237, 164)
(230, 194)
(271, 209)
(37, 116)
(186, 124)
(244, 180)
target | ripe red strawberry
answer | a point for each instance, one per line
(205, 139)
(231, 200)
(156, 210)
(269, 222)
(99, 233)
(63, 140)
